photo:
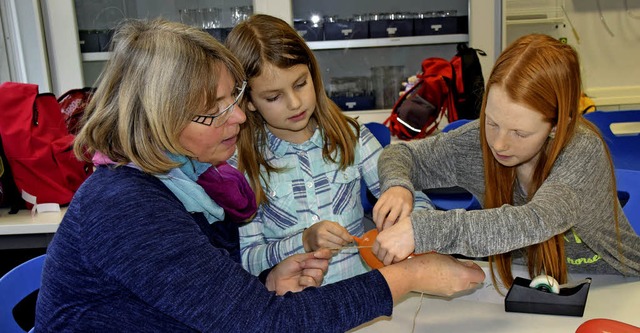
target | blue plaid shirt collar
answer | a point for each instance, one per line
(280, 147)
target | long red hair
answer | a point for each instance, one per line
(544, 74)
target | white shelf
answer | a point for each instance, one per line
(386, 42)
(23, 223)
(551, 20)
(96, 56)
(359, 112)
(365, 116)
(346, 44)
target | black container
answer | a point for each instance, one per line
(89, 41)
(570, 301)
(343, 29)
(441, 25)
(391, 28)
(219, 33)
(104, 39)
(354, 103)
(308, 30)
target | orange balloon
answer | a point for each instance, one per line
(367, 255)
(601, 325)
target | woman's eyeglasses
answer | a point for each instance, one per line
(223, 114)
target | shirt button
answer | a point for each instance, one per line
(273, 194)
(309, 184)
(314, 217)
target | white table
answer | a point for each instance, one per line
(611, 297)
(22, 230)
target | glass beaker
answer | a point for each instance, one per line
(387, 85)
(240, 13)
(210, 18)
(192, 17)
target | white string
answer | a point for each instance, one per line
(415, 316)
(104, 10)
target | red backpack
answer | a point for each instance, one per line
(73, 103)
(37, 144)
(419, 110)
(451, 89)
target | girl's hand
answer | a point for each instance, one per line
(395, 203)
(395, 243)
(326, 234)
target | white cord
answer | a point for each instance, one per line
(604, 22)
(415, 316)
(573, 29)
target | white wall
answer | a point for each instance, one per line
(611, 73)
(485, 31)
(59, 17)
(24, 42)
(610, 63)
(4, 60)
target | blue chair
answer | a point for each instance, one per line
(455, 124)
(453, 197)
(628, 184)
(383, 135)
(623, 147)
(381, 132)
(14, 287)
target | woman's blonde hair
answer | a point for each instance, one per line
(160, 75)
(264, 39)
(544, 74)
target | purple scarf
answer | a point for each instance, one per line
(229, 189)
(224, 184)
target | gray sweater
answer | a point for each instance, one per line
(574, 200)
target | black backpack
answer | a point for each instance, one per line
(470, 90)
(10, 196)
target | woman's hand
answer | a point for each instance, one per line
(299, 271)
(393, 204)
(395, 243)
(432, 273)
(327, 234)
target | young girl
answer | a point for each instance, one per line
(303, 157)
(543, 173)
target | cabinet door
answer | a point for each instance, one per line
(367, 48)
(71, 68)
(96, 20)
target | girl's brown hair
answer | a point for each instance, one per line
(264, 39)
(544, 74)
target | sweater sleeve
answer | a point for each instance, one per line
(151, 246)
(576, 194)
(479, 233)
(259, 254)
(448, 159)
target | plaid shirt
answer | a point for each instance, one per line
(311, 190)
